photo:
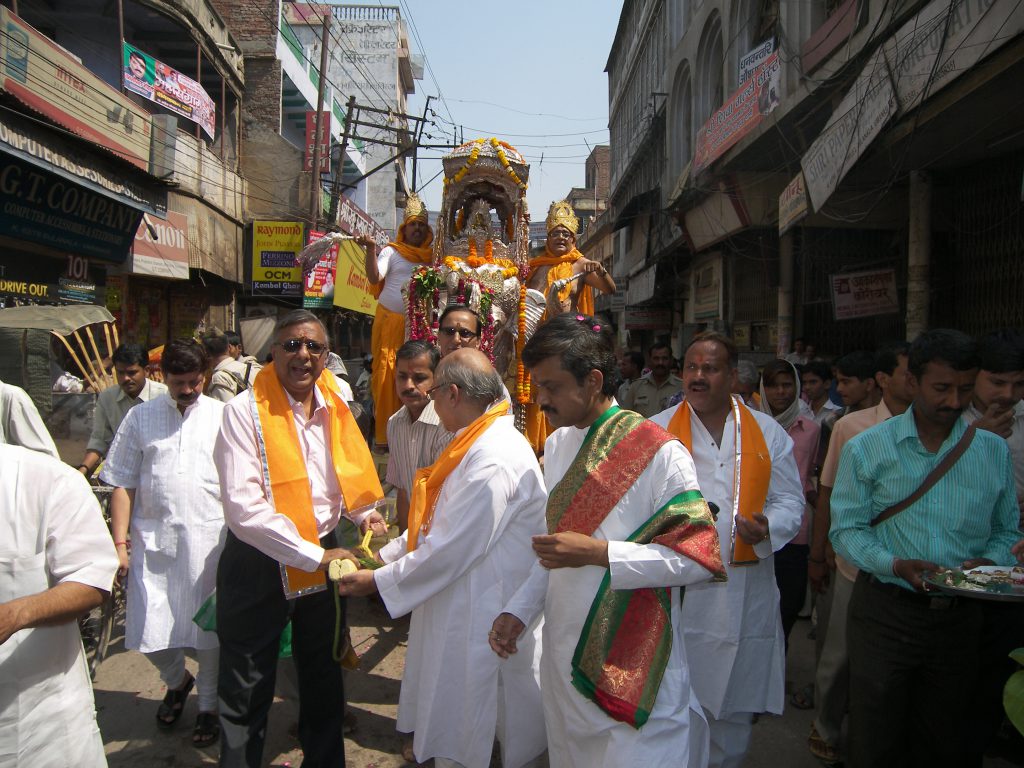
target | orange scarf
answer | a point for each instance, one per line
(561, 267)
(416, 254)
(427, 486)
(284, 468)
(754, 459)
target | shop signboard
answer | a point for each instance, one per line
(325, 141)
(76, 291)
(752, 59)
(741, 114)
(859, 118)
(275, 245)
(161, 247)
(319, 281)
(45, 208)
(741, 335)
(351, 288)
(864, 294)
(792, 204)
(648, 319)
(353, 220)
(45, 77)
(166, 86)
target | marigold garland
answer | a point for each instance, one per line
(523, 393)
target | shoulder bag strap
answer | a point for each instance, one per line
(933, 477)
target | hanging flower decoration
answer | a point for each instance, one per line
(523, 389)
(499, 147)
(474, 155)
(455, 264)
(423, 292)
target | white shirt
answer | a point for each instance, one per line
(112, 404)
(51, 532)
(248, 510)
(733, 630)
(396, 271)
(413, 444)
(580, 734)
(20, 422)
(455, 584)
(1015, 442)
(177, 523)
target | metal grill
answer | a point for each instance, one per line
(825, 252)
(983, 277)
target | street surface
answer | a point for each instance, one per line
(128, 691)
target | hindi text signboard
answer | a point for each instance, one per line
(864, 294)
(166, 86)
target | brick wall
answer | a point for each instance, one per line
(253, 23)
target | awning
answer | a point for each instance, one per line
(64, 320)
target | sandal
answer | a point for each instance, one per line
(821, 749)
(804, 698)
(174, 704)
(207, 730)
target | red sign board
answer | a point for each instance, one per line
(325, 141)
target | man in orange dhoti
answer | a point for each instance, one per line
(388, 272)
(562, 261)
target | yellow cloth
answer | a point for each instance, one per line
(427, 485)
(561, 267)
(286, 468)
(415, 254)
(755, 469)
(537, 427)
(387, 336)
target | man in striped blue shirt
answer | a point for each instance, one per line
(912, 654)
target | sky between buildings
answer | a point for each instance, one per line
(530, 72)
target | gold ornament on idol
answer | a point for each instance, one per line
(560, 214)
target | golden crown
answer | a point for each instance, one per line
(414, 208)
(560, 214)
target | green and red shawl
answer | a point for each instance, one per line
(626, 641)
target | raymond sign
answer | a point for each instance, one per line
(319, 284)
(744, 111)
(865, 294)
(325, 141)
(166, 86)
(275, 244)
(45, 77)
(351, 288)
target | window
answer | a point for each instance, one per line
(710, 68)
(680, 121)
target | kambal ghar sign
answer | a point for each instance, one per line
(166, 86)
(864, 294)
(275, 244)
(351, 288)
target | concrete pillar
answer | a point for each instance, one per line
(919, 250)
(785, 321)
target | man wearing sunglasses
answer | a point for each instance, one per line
(291, 461)
(458, 327)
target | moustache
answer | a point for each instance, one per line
(185, 399)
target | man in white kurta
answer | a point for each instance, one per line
(456, 694)
(20, 422)
(56, 562)
(566, 579)
(163, 456)
(733, 630)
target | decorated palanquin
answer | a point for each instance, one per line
(481, 259)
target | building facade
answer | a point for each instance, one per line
(827, 165)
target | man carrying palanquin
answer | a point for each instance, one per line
(388, 272)
(627, 528)
(733, 631)
(467, 549)
(562, 261)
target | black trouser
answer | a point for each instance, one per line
(251, 613)
(913, 664)
(791, 579)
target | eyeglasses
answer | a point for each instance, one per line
(291, 346)
(433, 389)
(464, 333)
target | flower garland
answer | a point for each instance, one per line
(424, 288)
(503, 159)
(523, 388)
(474, 155)
(454, 263)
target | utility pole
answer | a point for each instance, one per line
(315, 209)
(417, 139)
(332, 216)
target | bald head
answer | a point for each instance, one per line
(471, 371)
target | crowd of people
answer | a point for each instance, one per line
(622, 593)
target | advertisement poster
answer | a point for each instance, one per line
(154, 80)
(351, 288)
(319, 283)
(744, 111)
(275, 244)
(865, 294)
